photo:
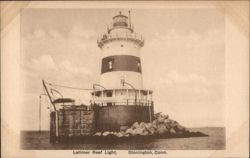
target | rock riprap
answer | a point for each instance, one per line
(161, 124)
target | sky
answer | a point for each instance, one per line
(183, 59)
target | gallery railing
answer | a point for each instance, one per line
(117, 36)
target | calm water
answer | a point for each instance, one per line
(33, 140)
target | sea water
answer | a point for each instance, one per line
(34, 140)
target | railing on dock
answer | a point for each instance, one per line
(109, 101)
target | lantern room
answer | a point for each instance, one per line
(120, 20)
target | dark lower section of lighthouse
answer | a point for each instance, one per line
(115, 117)
(75, 121)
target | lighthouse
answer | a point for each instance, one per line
(120, 97)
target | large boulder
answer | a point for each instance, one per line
(138, 131)
(106, 133)
(172, 131)
(161, 129)
(135, 125)
(129, 131)
(123, 128)
(143, 126)
(161, 119)
(118, 134)
(167, 121)
(167, 126)
(98, 134)
(179, 128)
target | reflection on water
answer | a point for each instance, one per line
(33, 140)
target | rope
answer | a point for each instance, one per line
(56, 85)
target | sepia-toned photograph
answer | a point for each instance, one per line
(147, 80)
(123, 81)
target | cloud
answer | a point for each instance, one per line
(44, 62)
(178, 94)
(174, 77)
(63, 57)
(67, 66)
(200, 56)
(78, 31)
(57, 55)
(176, 42)
(188, 84)
(63, 72)
(76, 40)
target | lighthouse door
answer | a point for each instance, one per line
(109, 94)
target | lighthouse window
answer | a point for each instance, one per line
(109, 94)
(139, 66)
(110, 64)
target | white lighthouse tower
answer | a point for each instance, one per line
(120, 91)
(121, 54)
